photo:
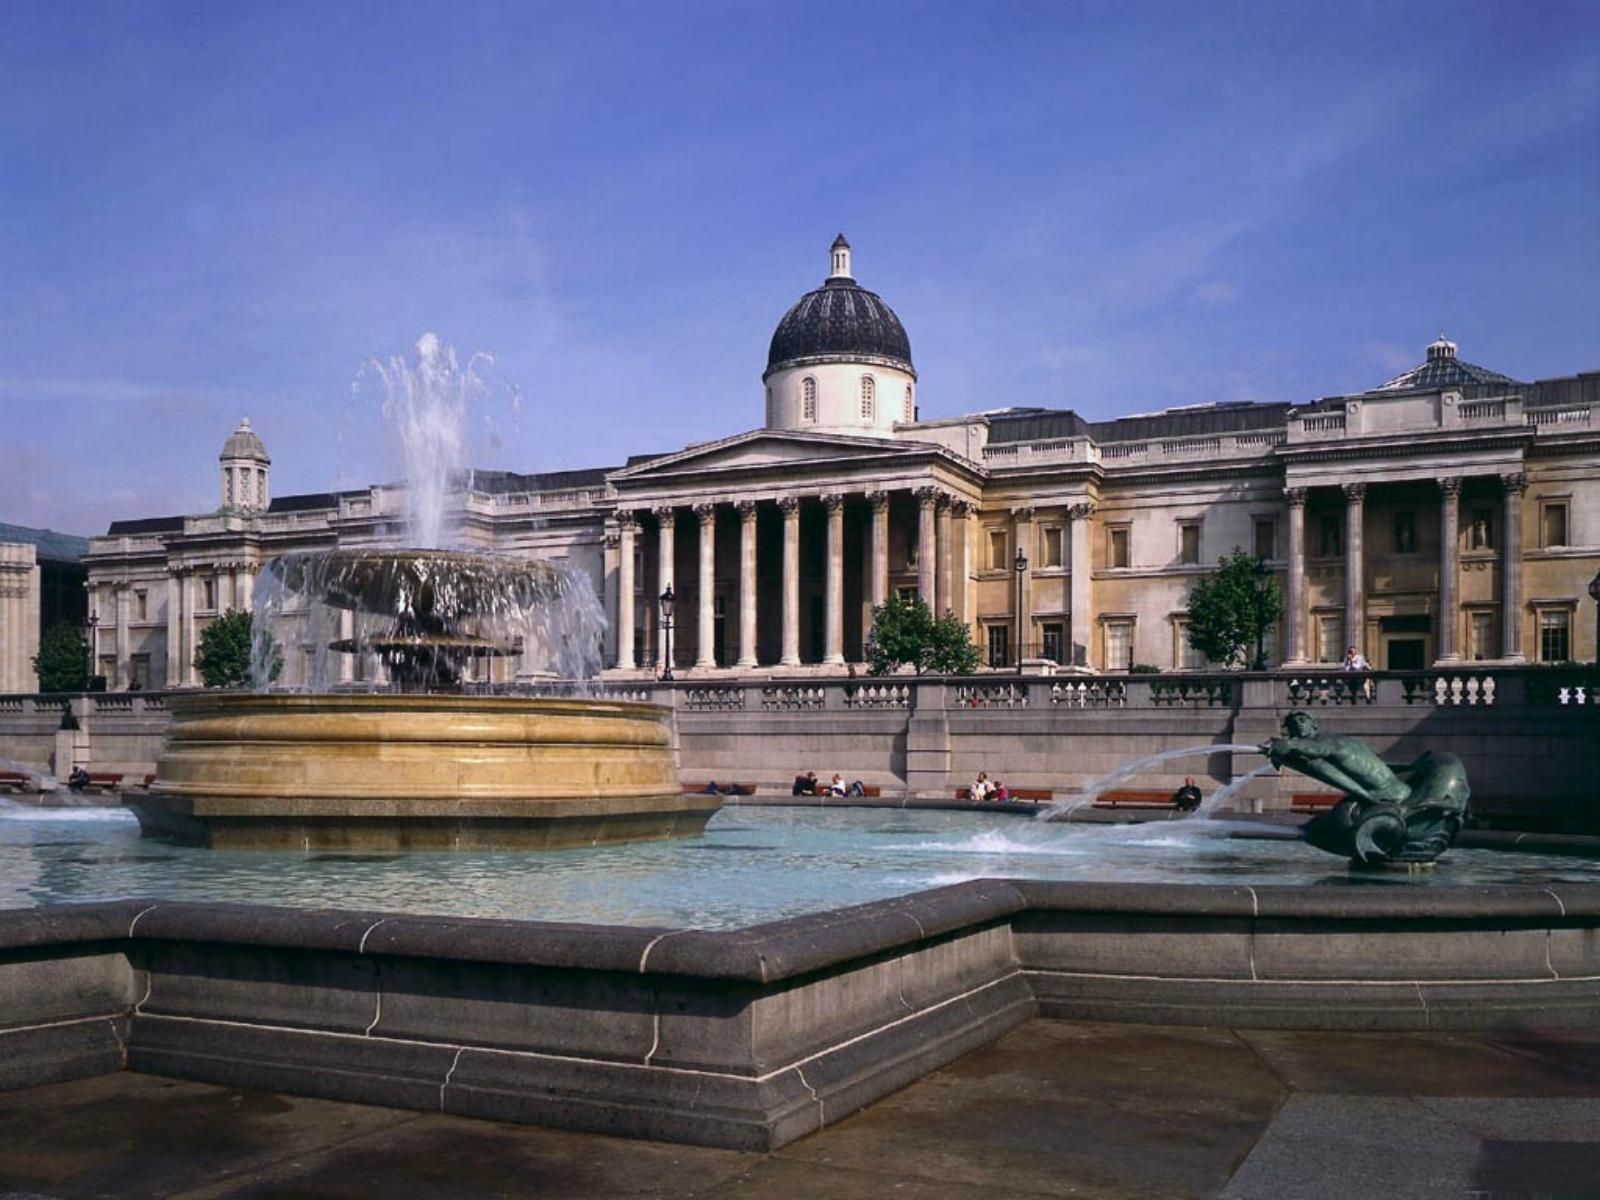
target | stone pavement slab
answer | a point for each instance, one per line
(1056, 1108)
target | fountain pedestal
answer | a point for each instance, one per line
(416, 772)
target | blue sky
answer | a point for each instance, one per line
(216, 210)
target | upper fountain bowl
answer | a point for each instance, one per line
(425, 584)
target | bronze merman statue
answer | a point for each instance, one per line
(1409, 815)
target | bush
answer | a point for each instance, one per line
(906, 633)
(1231, 610)
(223, 656)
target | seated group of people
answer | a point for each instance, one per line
(809, 785)
(985, 789)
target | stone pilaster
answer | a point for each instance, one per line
(1449, 567)
(124, 646)
(1511, 568)
(174, 630)
(1022, 535)
(190, 674)
(790, 507)
(833, 645)
(1355, 622)
(1295, 627)
(706, 657)
(959, 599)
(749, 582)
(611, 544)
(1082, 583)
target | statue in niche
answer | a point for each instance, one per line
(1410, 814)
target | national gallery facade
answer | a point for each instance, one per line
(1450, 514)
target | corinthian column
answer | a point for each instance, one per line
(666, 550)
(833, 652)
(1511, 569)
(878, 502)
(1354, 582)
(625, 552)
(707, 656)
(927, 545)
(174, 631)
(1083, 641)
(1295, 627)
(747, 582)
(1449, 567)
(790, 506)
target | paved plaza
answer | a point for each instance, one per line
(1057, 1108)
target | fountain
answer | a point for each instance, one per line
(409, 758)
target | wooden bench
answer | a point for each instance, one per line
(1313, 802)
(1037, 795)
(1134, 798)
(723, 789)
(13, 781)
(868, 790)
(104, 781)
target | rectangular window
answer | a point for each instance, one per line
(999, 560)
(139, 672)
(1405, 533)
(1329, 627)
(999, 645)
(1051, 552)
(1331, 544)
(1553, 523)
(1480, 643)
(1480, 530)
(209, 587)
(907, 594)
(1555, 634)
(1119, 645)
(1266, 530)
(140, 606)
(1117, 546)
(1052, 641)
(1189, 658)
(1189, 542)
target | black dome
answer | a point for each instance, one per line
(840, 320)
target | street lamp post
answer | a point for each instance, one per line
(1021, 565)
(667, 599)
(1594, 594)
(92, 650)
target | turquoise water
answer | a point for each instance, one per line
(753, 865)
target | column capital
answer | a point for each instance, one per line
(664, 512)
(1081, 511)
(1354, 492)
(790, 505)
(706, 512)
(1023, 512)
(1295, 496)
(1514, 484)
(1450, 485)
(612, 541)
(625, 518)
(929, 497)
(746, 509)
(878, 500)
(961, 507)
(832, 501)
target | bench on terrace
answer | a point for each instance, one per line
(1313, 802)
(1134, 798)
(1037, 795)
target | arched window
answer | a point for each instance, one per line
(868, 392)
(911, 412)
(808, 399)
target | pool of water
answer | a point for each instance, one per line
(752, 865)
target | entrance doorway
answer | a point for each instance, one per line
(1405, 653)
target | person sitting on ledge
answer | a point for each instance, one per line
(836, 787)
(805, 785)
(78, 779)
(1188, 797)
(982, 789)
(1001, 792)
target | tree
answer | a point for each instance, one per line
(62, 663)
(1231, 610)
(905, 632)
(223, 656)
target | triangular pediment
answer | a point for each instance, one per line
(764, 448)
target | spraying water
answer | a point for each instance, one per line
(1064, 810)
(1222, 795)
(39, 781)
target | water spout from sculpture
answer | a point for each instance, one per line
(1128, 770)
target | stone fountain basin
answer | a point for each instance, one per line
(416, 772)
(453, 583)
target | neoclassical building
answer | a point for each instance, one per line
(1449, 514)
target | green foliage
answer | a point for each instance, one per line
(1232, 609)
(223, 656)
(905, 632)
(1144, 669)
(62, 663)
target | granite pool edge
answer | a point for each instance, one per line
(753, 1037)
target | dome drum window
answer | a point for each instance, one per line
(868, 397)
(910, 408)
(808, 399)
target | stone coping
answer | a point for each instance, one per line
(787, 949)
